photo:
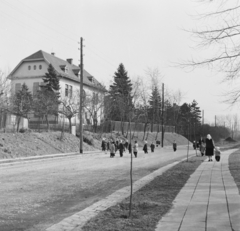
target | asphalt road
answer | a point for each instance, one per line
(37, 194)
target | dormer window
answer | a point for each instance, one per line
(90, 78)
(34, 67)
(64, 68)
(76, 72)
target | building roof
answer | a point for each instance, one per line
(59, 64)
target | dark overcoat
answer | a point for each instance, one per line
(209, 147)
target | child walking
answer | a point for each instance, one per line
(217, 153)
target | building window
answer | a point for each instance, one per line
(13, 119)
(66, 90)
(40, 67)
(34, 67)
(35, 88)
(70, 91)
(29, 68)
(17, 87)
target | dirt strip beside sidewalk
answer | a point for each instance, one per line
(78, 220)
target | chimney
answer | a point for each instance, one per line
(70, 61)
(53, 53)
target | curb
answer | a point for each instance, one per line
(31, 158)
(8, 161)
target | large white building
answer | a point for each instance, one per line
(33, 68)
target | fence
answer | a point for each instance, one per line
(124, 127)
(106, 127)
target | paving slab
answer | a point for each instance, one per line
(209, 201)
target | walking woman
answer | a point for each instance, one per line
(112, 149)
(135, 149)
(121, 148)
(209, 147)
(145, 148)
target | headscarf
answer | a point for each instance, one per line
(209, 137)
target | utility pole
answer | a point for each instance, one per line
(215, 120)
(162, 113)
(81, 96)
(202, 117)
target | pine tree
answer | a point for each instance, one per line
(22, 103)
(120, 95)
(195, 112)
(45, 104)
(51, 80)
(155, 107)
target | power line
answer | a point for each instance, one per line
(38, 21)
(37, 31)
(54, 28)
(32, 29)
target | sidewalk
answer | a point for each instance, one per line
(209, 201)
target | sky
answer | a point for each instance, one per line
(141, 34)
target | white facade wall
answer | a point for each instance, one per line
(23, 70)
(29, 77)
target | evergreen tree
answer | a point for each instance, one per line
(195, 112)
(184, 119)
(155, 107)
(45, 104)
(169, 113)
(120, 95)
(22, 103)
(51, 80)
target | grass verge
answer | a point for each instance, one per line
(234, 167)
(150, 203)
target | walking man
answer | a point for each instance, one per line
(174, 146)
(121, 148)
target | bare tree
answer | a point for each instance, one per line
(220, 120)
(4, 97)
(175, 99)
(144, 107)
(69, 107)
(155, 76)
(219, 32)
(93, 104)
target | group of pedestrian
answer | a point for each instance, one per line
(118, 145)
(207, 147)
(121, 146)
(145, 147)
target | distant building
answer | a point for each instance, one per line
(33, 68)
